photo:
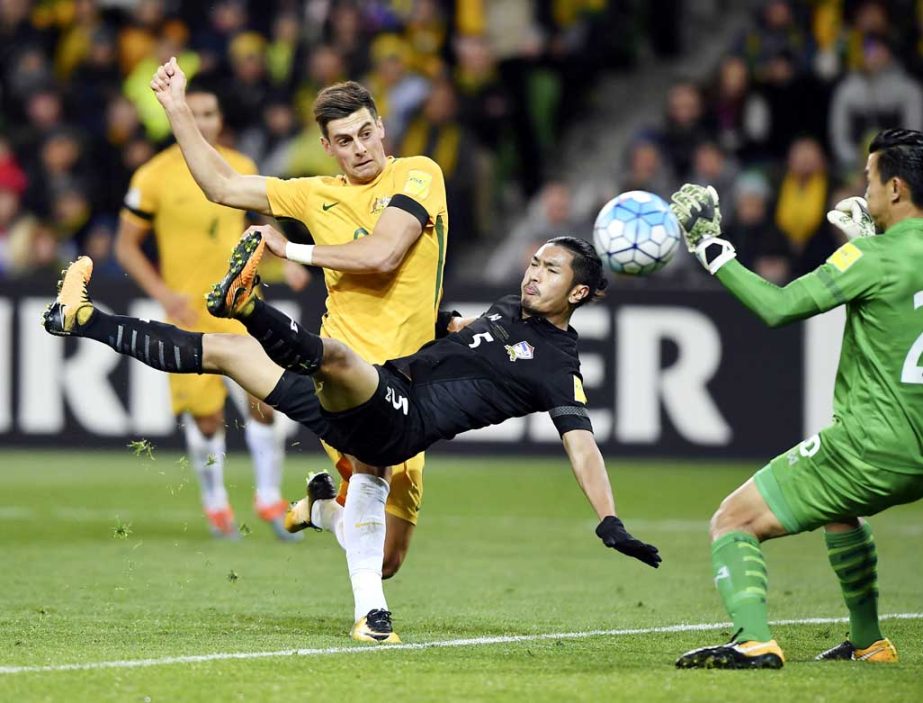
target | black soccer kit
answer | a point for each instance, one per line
(500, 366)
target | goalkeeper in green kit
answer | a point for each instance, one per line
(871, 457)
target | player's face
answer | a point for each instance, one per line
(548, 285)
(357, 143)
(207, 115)
(876, 192)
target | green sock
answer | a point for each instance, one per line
(852, 556)
(740, 576)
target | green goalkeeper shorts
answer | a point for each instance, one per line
(822, 480)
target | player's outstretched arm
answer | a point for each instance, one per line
(697, 209)
(590, 472)
(215, 176)
(380, 252)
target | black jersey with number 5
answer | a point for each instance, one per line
(500, 366)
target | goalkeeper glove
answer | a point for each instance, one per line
(696, 209)
(613, 534)
(851, 216)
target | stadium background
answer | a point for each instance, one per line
(538, 111)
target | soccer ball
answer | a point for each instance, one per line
(635, 233)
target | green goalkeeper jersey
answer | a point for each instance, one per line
(879, 385)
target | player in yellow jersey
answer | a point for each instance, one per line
(193, 236)
(380, 234)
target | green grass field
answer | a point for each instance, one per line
(106, 559)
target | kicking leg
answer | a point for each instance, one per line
(737, 528)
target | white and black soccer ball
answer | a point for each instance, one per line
(635, 233)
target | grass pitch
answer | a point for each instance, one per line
(107, 561)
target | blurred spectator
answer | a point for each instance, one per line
(436, 132)
(777, 31)
(17, 35)
(685, 126)
(741, 114)
(802, 202)
(27, 71)
(484, 104)
(270, 143)
(398, 91)
(137, 39)
(44, 113)
(712, 166)
(12, 185)
(62, 165)
(426, 35)
(96, 81)
(647, 170)
(118, 152)
(283, 51)
(226, 19)
(137, 86)
(247, 87)
(98, 245)
(759, 243)
(345, 32)
(797, 104)
(77, 38)
(324, 67)
(879, 96)
(550, 215)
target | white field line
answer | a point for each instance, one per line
(469, 642)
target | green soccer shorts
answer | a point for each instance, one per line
(822, 480)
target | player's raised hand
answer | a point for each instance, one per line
(696, 208)
(613, 534)
(851, 216)
(275, 240)
(169, 84)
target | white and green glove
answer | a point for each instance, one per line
(851, 216)
(696, 208)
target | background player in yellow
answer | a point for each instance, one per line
(193, 237)
(380, 234)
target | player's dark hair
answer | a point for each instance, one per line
(587, 266)
(341, 100)
(206, 85)
(900, 155)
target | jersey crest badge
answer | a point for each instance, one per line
(520, 350)
(845, 256)
(417, 184)
(380, 204)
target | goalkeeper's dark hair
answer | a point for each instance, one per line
(587, 266)
(900, 155)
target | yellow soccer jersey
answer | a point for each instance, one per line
(381, 316)
(194, 236)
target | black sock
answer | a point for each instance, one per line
(161, 346)
(287, 343)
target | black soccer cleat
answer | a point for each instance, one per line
(320, 487)
(231, 296)
(375, 627)
(734, 655)
(843, 651)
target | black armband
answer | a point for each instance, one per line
(411, 206)
(443, 318)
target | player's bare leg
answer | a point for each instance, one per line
(742, 521)
(852, 554)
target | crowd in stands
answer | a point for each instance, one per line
(477, 85)
(485, 88)
(783, 126)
